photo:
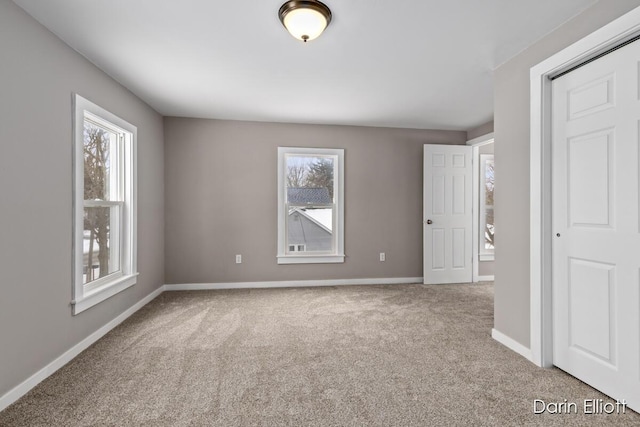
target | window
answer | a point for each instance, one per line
(104, 211)
(486, 207)
(310, 205)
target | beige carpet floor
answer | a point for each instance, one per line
(397, 355)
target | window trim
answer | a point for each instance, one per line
(337, 256)
(86, 296)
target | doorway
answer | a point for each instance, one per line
(458, 224)
(585, 233)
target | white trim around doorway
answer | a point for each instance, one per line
(618, 31)
(476, 143)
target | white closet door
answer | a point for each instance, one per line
(596, 246)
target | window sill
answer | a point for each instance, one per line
(96, 296)
(486, 257)
(310, 259)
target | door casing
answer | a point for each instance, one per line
(615, 33)
(475, 144)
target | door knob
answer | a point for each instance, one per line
(429, 221)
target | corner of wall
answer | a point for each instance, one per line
(477, 131)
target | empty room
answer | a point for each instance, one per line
(283, 213)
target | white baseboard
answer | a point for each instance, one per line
(512, 344)
(22, 389)
(291, 284)
(485, 278)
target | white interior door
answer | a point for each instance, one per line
(596, 246)
(448, 219)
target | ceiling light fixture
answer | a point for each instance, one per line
(305, 19)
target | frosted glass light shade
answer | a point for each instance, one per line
(305, 20)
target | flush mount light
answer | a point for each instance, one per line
(305, 19)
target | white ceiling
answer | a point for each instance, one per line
(397, 63)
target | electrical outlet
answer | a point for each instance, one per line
(238, 259)
(383, 257)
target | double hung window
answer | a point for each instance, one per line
(104, 205)
(310, 205)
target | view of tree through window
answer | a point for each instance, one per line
(488, 203)
(310, 203)
(310, 172)
(104, 204)
(99, 259)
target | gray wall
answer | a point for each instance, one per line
(511, 102)
(480, 130)
(220, 192)
(38, 73)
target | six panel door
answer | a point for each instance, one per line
(447, 224)
(596, 246)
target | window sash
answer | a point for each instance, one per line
(332, 250)
(116, 240)
(102, 203)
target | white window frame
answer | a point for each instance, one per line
(484, 254)
(90, 294)
(337, 255)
